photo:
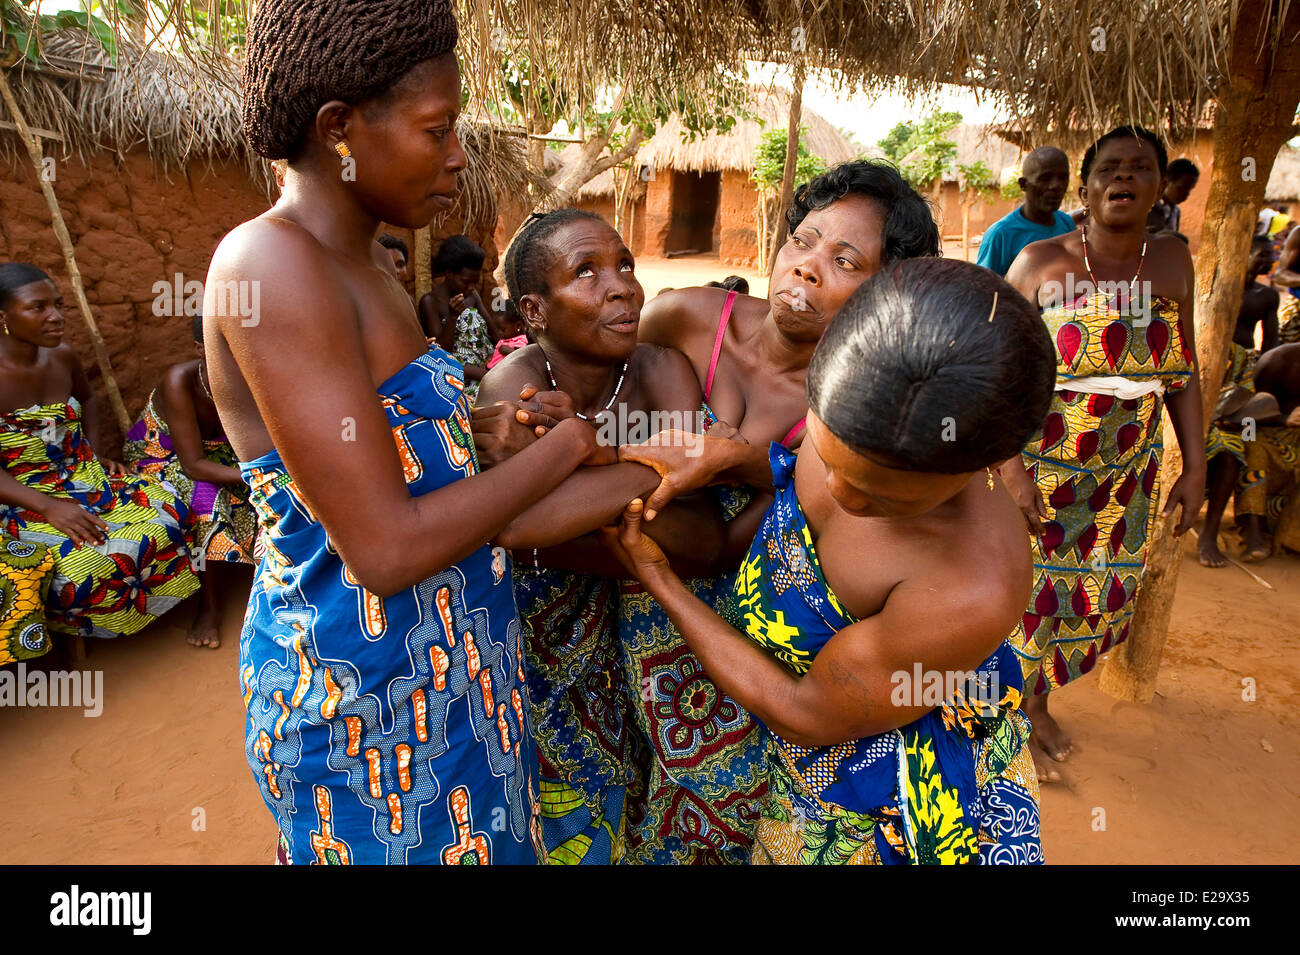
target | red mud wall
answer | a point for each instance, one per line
(131, 229)
(737, 219)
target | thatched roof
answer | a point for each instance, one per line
(1284, 181)
(672, 148)
(183, 109)
(1055, 64)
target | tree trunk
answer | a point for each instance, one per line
(69, 257)
(791, 163)
(1254, 118)
(591, 164)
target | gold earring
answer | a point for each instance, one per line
(341, 147)
(989, 472)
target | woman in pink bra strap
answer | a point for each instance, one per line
(752, 360)
(797, 428)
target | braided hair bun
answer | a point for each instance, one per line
(304, 53)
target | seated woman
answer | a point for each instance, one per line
(750, 357)
(575, 284)
(454, 313)
(886, 575)
(25, 572)
(121, 557)
(179, 439)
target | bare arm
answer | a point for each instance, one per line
(304, 364)
(81, 526)
(430, 315)
(1287, 273)
(1186, 414)
(1270, 339)
(849, 692)
(91, 420)
(1025, 276)
(187, 437)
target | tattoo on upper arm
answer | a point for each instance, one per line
(848, 680)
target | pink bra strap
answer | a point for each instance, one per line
(794, 432)
(717, 342)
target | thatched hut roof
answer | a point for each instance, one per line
(183, 108)
(1284, 181)
(672, 148)
(1054, 64)
(981, 143)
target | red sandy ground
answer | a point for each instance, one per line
(1184, 779)
(1197, 776)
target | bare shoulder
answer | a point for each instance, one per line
(678, 319)
(1040, 262)
(65, 357)
(278, 268)
(1176, 255)
(667, 377)
(179, 376)
(522, 367)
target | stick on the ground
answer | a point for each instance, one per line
(1236, 563)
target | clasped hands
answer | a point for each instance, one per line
(684, 461)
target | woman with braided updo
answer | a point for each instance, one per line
(380, 659)
(608, 798)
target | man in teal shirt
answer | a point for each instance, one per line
(1044, 178)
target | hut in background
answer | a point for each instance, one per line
(151, 171)
(960, 213)
(1283, 189)
(697, 195)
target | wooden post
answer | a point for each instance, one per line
(33, 145)
(791, 163)
(965, 231)
(1255, 116)
(423, 253)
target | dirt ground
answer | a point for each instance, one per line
(1199, 775)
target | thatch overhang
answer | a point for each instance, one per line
(1054, 64)
(182, 109)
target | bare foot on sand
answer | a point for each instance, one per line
(204, 631)
(1210, 554)
(1254, 546)
(1047, 742)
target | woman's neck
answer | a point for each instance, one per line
(19, 352)
(1117, 244)
(777, 352)
(319, 202)
(589, 383)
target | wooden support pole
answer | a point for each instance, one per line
(422, 254)
(1255, 116)
(33, 145)
(778, 237)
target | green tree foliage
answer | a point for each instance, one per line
(894, 142)
(979, 179)
(769, 160)
(22, 26)
(930, 154)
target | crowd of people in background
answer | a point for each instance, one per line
(678, 647)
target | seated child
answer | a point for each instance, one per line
(179, 438)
